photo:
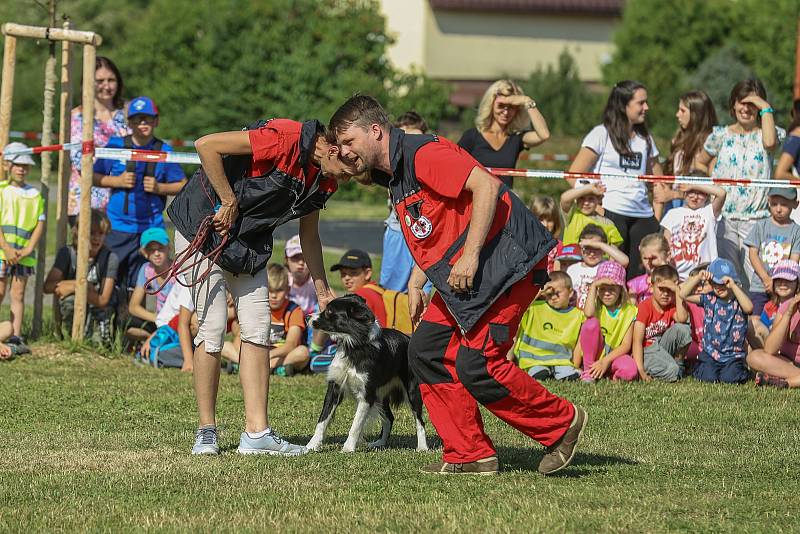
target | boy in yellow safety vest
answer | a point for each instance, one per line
(22, 222)
(547, 343)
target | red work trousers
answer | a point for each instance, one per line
(456, 371)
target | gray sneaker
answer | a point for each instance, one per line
(205, 441)
(269, 443)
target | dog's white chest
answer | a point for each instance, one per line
(343, 373)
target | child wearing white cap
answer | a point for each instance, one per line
(301, 286)
(22, 221)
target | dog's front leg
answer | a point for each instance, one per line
(362, 412)
(333, 397)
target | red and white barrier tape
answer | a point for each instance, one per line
(191, 158)
(666, 179)
(120, 154)
(32, 136)
(550, 157)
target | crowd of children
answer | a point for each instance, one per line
(690, 312)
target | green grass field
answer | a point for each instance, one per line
(92, 443)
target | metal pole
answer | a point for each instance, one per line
(85, 216)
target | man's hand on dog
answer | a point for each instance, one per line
(324, 297)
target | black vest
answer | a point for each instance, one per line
(265, 202)
(506, 257)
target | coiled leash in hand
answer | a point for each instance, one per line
(178, 268)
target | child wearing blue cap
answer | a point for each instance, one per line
(139, 189)
(154, 245)
(725, 310)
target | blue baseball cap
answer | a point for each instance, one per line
(159, 235)
(142, 105)
(720, 268)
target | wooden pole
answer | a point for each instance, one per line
(54, 34)
(7, 92)
(797, 64)
(47, 139)
(85, 216)
(64, 162)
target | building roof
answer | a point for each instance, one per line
(595, 7)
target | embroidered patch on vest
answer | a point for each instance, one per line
(420, 225)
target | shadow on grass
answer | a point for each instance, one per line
(527, 459)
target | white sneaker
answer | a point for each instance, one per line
(269, 443)
(205, 441)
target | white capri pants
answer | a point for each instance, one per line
(250, 297)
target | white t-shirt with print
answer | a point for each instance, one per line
(693, 238)
(179, 297)
(625, 197)
(582, 277)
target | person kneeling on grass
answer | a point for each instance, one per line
(287, 329)
(722, 358)
(100, 278)
(547, 343)
(171, 344)
(660, 338)
(778, 363)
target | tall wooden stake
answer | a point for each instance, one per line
(47, 139)
(85, 216)
(7, 92)
(64, 162)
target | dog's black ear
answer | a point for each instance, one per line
(361, 312)
(361, 299)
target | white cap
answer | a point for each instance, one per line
(19, 159)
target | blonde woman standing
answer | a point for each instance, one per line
(503, 127)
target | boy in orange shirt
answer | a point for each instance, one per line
(287, 328)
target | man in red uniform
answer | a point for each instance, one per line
(486, 254)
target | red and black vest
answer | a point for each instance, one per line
(516, 242)
(265, 202)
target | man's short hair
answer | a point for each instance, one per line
(359, 110)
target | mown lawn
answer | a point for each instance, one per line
(91, 443)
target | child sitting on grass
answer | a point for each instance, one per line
(100, 280)
(579, 206)
(171, 345)
(21, 227)
(660, 338)
(547, 342)
(155, 247)
(546, 211)
(607, 334)
(654, 251)
(778, 363)
(594, 249)
(9, 350)
(785, 276)
(722, 358)
(287, 328)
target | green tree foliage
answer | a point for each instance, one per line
(669, 45)
(718, 74)
(569, 107)
(660, 43)
(219, 65)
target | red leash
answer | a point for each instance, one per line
(178, 268)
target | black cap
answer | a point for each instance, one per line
(353, 259)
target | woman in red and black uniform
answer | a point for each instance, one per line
(486, 254)
(251, 182)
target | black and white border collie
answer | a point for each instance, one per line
(371, 364)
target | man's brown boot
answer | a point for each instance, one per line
(484, 466)
(559, 455)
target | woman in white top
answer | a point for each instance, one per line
(622, 145)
